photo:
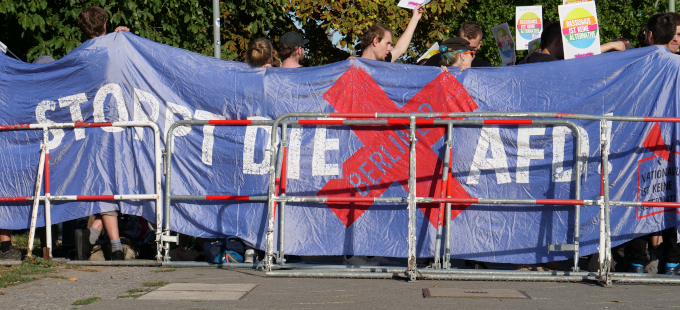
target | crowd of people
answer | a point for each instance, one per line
(376, 44)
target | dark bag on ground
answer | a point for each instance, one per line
(229, 250)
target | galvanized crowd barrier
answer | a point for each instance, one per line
(442, 269)
(167, 238)
(44, 171)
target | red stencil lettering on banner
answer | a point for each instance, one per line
(384, 157)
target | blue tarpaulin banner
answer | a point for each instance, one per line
(121, 77)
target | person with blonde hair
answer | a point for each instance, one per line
(260, 53)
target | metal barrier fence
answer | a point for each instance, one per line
(441, 268)
(605, 276)
(44, 170)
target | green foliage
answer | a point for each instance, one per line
(617, 18)
(49, 27)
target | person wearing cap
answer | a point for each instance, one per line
(453, 52)
(292, 49)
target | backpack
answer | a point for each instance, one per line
(229, 250)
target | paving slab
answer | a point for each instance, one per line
(112, 283)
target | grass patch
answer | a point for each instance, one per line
(57, 277)
(165, 270)
(87, 301)
(136, 290)
(130, 296)
(151, 284)
(3, 293)
(21, 241)
(14, 275)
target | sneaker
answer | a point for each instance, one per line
(249, 257)
(357, 260)
(529, 267)
(382, 261)
(637, 268)
(83, 245)
(672, 269)
(11, 255)
(117, 255)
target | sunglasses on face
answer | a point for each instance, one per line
(468, 52)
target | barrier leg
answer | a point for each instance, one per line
(605, 249)
(36, 198)
(447, 240)
(445, 179)
(282, 183)
(158, 153)
(412, 265)
(271, 205)
(47, 254)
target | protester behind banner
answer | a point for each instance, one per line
(674, 45)
(505, 43)
(551, 46)
(260, 53)
(453, 52)
(292, 46)
(92, 21)
(472, 32)
(376, 42)
(661, 29)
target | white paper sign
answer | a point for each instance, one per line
(535, 45)
(431, 52)
(3, 47)
(412, 4)
(575, 1)
(505, 43)
(580, 31)
(528, 24)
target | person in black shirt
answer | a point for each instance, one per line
(472, 32)
(551, 46)
(376, 43)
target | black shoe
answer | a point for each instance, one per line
(117, 255)
(13, 254)
(83, 245)
(637, 268)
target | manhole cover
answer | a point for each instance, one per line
(441, 292)
(200, 291)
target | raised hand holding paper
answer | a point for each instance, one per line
(505, 43)
(412, 4)
(528, 24)
(580, 35)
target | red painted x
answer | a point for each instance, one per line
(384, 157)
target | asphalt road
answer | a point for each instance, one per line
(110, 283)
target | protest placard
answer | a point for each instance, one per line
(505, 43)
(580, 35)
(434, 49)
(411, 4)
(575, 1)
(528, 24)
(535, 45)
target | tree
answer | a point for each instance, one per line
(49, 27)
